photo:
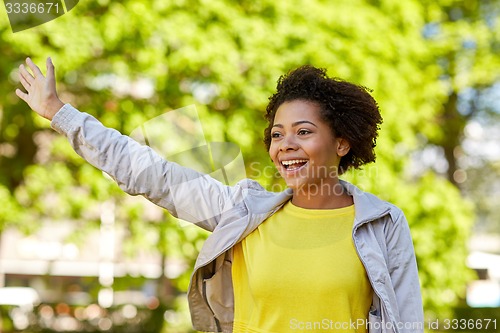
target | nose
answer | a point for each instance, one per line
(288, 143)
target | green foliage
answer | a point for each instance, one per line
(438, 225)
(187, 47)
(10, 210)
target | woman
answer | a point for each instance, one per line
(319, 256)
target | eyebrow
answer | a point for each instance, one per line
(296, 123)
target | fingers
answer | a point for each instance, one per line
(25, 75)
(25, 83)
(22, 95)
(34, 68)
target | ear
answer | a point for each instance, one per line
(343, 147)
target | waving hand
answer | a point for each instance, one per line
(41, 94)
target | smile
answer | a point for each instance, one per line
(293, 165)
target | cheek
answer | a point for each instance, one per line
(272, 153)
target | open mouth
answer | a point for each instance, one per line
(292, 165)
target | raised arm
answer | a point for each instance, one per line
(136, 168)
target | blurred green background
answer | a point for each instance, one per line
(100, 260)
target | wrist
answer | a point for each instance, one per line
(52, 108)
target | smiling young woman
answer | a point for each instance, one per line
(320, 256)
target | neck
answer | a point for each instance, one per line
(322, 197)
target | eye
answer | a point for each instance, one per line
(303, 132)
(275, 135)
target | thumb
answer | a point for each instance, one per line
(50, 70)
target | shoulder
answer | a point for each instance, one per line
(259, 200)
(370, 207)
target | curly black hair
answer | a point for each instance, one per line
(350, 111)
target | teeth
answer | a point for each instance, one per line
(293, 162)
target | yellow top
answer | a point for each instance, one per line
(299, 272)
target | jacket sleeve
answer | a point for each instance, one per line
(139, 170)
(403, 272)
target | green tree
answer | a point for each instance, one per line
(465, 42)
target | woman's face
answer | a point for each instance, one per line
(303, 147)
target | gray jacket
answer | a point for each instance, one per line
(380, 233)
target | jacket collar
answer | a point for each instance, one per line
(368, 207)
(262, 202)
